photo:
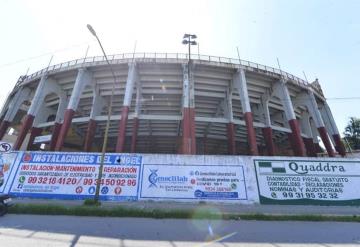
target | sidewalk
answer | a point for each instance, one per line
(225, 208)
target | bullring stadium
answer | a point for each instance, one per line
(168, 103)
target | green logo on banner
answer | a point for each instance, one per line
(269, 167)
(22, 179)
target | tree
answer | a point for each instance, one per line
(352, 133)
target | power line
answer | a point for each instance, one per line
(44, 54)
(343, 98)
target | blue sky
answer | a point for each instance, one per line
(319, 37)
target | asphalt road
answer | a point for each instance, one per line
(32, 230)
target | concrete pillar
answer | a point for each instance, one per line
(45, 87)
(269, 142)
(306, 128)
(267, 130)
(331, 126)
(3, 128)
(188, 104)
(14, 105)
(136, 118)
(132, 77)
(26, 125)
(34, 133)
(55, 135)
(34, 107)
(282, 92)
(315, 140)
(98, 104)
(315, 113)
(231, 138)
(83, 78)
(239, 81)
(90, 134)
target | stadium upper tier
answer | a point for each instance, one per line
(166, 103)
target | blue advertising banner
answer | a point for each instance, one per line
(75, 176)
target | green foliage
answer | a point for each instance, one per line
(202, 213)
(352, 133)
(91, 202)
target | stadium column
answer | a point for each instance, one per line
(98, 104)
(308, 140)
(132, 77)
(59, 118)
(332, 128)
(314, 133)
(239, 80)
(313, 108)
(136, 118)
(34, 107)
(230, 126)
(282, 93)
(14, 105)
(83, 78)
(33, 133)
(188, 111)
(267, 130)
(43, 114)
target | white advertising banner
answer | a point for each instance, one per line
(75, 176)
(316, 181)
(189, 182)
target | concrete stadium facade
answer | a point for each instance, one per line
(166, 103)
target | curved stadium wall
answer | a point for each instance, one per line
(166, 103)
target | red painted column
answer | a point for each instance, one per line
(34, 133)
(270, 146)
(134, 135)
(186, 132)
(27, 124)
(55, 136)
(192, 130)
(3, 128)
(231, 138)
(90, 134)
(122, 130)
(325, 139)
(310, 147)
(339, 146)
(297, 142)
(291, 141)
(251, 133)
(69, 113)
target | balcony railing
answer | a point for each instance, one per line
(167, 56)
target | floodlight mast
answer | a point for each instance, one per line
(189, 39)
(104, 146)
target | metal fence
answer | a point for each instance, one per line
(171, 56)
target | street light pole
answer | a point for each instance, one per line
(104, 146)
(189, 39)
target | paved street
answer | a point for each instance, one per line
(31, 230)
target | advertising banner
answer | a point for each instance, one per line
(7, 170)
(317, 182)
(200, 182)
(75, 176)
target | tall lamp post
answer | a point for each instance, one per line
(103, 150)
(189, 39)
